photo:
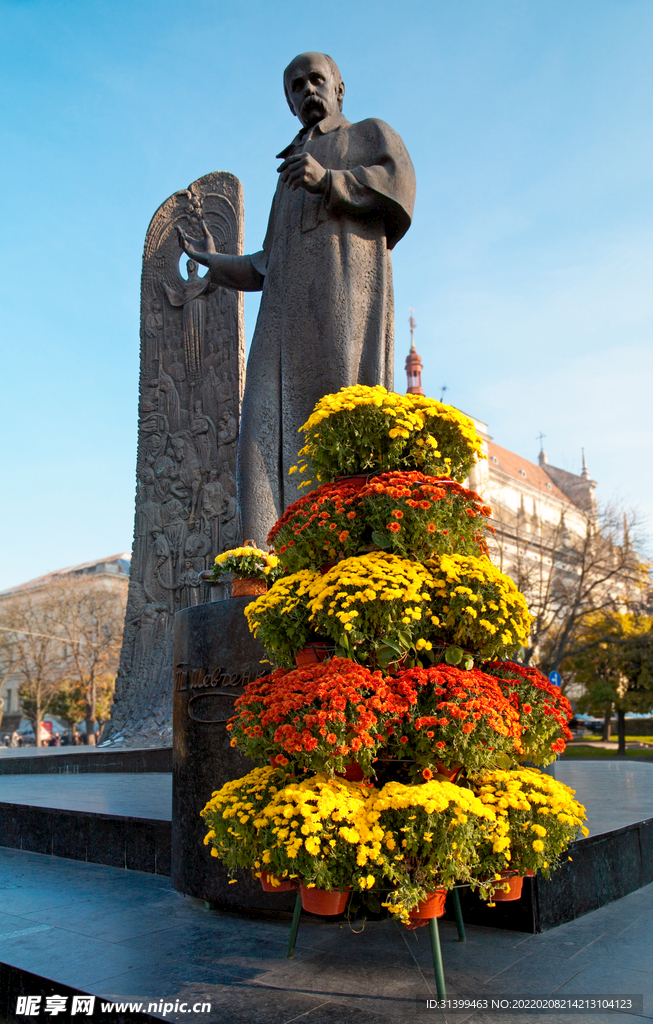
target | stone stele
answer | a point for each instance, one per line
(191, 386)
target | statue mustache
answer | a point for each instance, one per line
(313, 101)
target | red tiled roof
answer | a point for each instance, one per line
(523, 471)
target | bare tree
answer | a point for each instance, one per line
(90, 617)
(6, 661)
(36, 651)
(63, 645)
(569, 575)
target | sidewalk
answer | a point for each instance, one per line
(123, 935)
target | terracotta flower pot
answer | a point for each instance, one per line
(514, 892)
(529, 874)
(432, 906)
(324, 902)
(283, 884)
(326, 567)
(452, 771)
(312, 654)
(245, 586)
(352, 773)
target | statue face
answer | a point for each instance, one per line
(312, 89)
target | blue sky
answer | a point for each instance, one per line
(529, 263)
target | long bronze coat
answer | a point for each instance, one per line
(326, 317)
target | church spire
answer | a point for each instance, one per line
(584, 472)
(413, 363)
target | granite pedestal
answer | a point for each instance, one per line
(215, 656)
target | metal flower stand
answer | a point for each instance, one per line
(434, 935)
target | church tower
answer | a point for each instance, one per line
(413, 363)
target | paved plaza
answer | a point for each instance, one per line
(615, 793)
(124, 935)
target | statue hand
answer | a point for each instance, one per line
(199, 249)
(303, 170)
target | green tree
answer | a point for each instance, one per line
(614, 664)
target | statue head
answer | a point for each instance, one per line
(191, 267)
(314, 87)
(178, 447)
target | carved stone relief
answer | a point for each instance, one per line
(191, 385)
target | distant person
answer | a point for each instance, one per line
(5, 739)
(65, 738)
(16, 739)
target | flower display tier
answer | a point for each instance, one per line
(371, 430)
(409, 514)
(392, 730)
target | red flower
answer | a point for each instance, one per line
(440, 745)
(403, 739)
(397, 513)
(342, 537)
(428, 774)
(431, 528)
(393, 527)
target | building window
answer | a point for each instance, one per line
(495, 460)
(523, 472)
(548, 487)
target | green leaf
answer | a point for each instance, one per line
(381, 539)
(373, 903)
(453, 656)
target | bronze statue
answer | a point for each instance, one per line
(344, 199)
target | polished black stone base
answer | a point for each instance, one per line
(74, 760)
(603, 868)
(139, 844)
(214, 656)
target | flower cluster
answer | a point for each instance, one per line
(373, 606)
(230, 815)
(543, 711)
(476, 606)
(323, 526)
(280, 618)
(537, 818)
(321, 717)
(371, 430)
(451, 717)
(247, 561)
(326, 832)
(335, 834)
(410, 514)
(433, 834)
